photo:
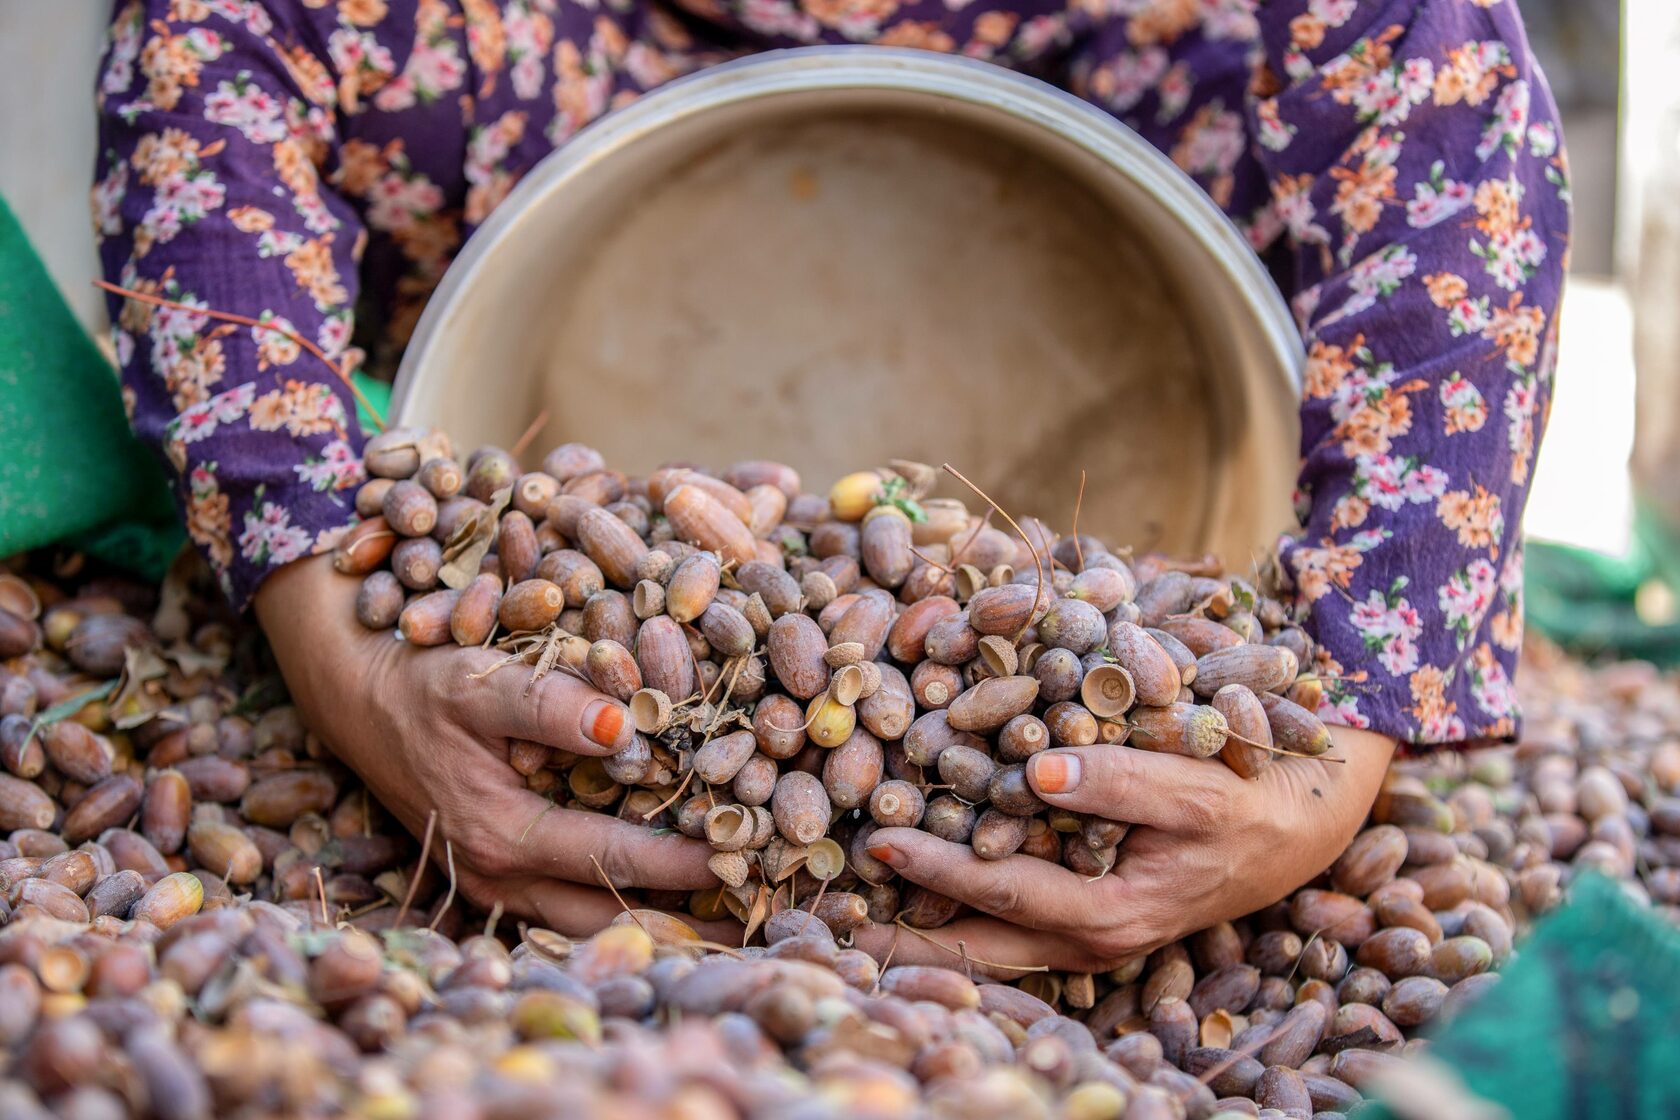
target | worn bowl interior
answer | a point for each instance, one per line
(837, 275)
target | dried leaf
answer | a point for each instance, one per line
(467, 548)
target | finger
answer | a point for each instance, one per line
(584, 847)
(558, 709)
(1020, 889)
(985, 946)
(579, 911)
(1165, 791)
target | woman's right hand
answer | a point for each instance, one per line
(425, 736)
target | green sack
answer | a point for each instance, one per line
(1583, 1025)
(71, 471)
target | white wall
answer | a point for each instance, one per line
(49, 51)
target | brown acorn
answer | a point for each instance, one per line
(1188, 729)
(796, 646)
(992, 703)
(613, 670)
(409, 509)
(700, 519)
(1246, 718)
(425, 621)
(611, 544)
(531, 605)
(473, 618)
(379, 601)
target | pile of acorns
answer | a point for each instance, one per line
(202, 914)
(805, 669)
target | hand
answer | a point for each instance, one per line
(1205, 846)
(424, 736)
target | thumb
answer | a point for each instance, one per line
(557, 710)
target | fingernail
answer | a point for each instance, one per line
(1054, 772)
(602, 722)
(888, 855)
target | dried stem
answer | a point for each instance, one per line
(1038, 561)
(601, 871)
(1274, 750)
(1078, 552)
(321, 890)
(968, 540)
(530, 433)
(419, 872)
(671, 800)
(495, 916)
(448, 899)
(930, 561)
(899, 922)
(247, 321)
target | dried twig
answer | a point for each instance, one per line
(246, 321)
(448, 899)
(602, 872)
(1038, 561)
(419, 872)
(531, 433)
(1078, 552)
(899, 922)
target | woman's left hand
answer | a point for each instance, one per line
(1205, 846)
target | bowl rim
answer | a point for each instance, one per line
(799, 70)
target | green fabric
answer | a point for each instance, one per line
(1584, 1024)
(71, 471)
(1588, 602)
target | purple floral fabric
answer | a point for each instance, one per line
(318, 163)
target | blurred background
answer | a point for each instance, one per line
(1605, 558)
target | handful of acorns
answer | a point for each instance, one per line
(803, 670)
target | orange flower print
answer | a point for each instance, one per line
(361, 164)
(486, 40)
(1306, 32)
(1361, 191)
(1162, 21)
(171, 62)
(994, 28)
(361, 13)
(302, 408)
(1319, 569)
(1435, 714)
(208, 522)
(294, 169)
(1471, 72)
(275, 348)
(1328, 366)
(1445, 288)
(1350, 512)
(1476, 518)
(855, 19)
(1464, 408)
(250, 219)
(1517, 329)
(313, 268)
(924, 35)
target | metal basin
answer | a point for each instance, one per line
(835, 256)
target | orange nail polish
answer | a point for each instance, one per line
(603, 721)
(888, 855)
(1053, 772)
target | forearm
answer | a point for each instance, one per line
(1417, 173)
(206, 199)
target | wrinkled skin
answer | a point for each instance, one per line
(425, 738)
(1205, 846)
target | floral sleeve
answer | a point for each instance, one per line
(215, 123)
(1413, 160)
